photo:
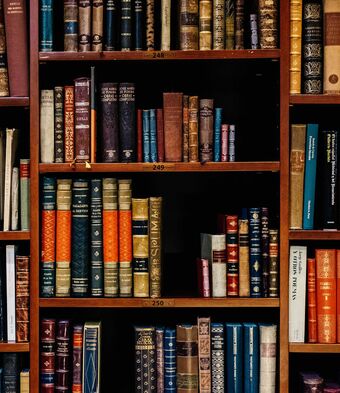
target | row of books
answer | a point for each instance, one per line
(243, 259)
(14, 295)
(149, 25)
(96, 240)
(314, 177)
(207, 357)
(14, 184)
(314, 295)
(13, 377)
(312, 381)
(314, 56)
(69, 356)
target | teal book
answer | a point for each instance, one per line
(234, 366)
(251, 357)
(146, 135)
(217, 134)
(153, 135)
(310, 175)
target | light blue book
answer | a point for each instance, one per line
(310, 176)
(153, 135)
(217, 134)
(251, 357)
(146, 135)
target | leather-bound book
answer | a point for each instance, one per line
(188, 29)
(63, 237)
(267, 351)
(160, 135)
(77, 355)
(231, 143)
(326, 295)
(84, 32)
(47, 355)
(255, 252)
(127, 122)
(153, 136)
(58, 124)
(193, 128)
(97, 25)
(155, 235)
(150, 24)
(139, 135)
(173, 121)
(109, 121)
(218, 24)
(82, 119)
(160, 358)
(70, 26)
(110, 237)
(93, 124)
(62, 364)
(22, 298)
(185, 128)
(230, 24)
(254, 34)
(224, 142)
(48, 236)
(17, 51)
(169, 360)
(96, 223)
(217, 134)
(273, 263)
(145, 359)
(4, 88)
(126, 25)
(10, 381)
(338, 295)
(206, 129)
(24, 380)
(268, 24)
(91, 357)
(296, 174)
(265, 250)
(110, 26)
(234, 356)
(204, 354)
(80, 238)
(232, 256)
(203, 277)
(311, 301)
(69, 123)
(239, 24)
(47, 126)
(139, 7)
(312, 47)
(166, 24)
(25, 194)
(205, 15)
(331, 76)
(243, 242)
(187, 358)
(251, 357)
(46, 25)
(217, 357)
(295, 46)
(146, 135)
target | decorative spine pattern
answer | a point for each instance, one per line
(265, 251)
(218, 24)
(205, 15)
(97, 25)
(69, 123)
(70, 25)
(273, 263)
(58, 124)
(255, 252)
(150, 24)
(155, 246)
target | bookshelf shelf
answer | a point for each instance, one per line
(273, 54)
(14, 347)
(15, 235)
(304, 99)
(314, 235)
(314, 348)
(14, 101)
(157, 303)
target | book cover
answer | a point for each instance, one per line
(91, 357)
(127, 122)
(274, 263)
(206, 129)
(254, 35)
(204, 354)
(145, 359)
(2, 173)
(239, 24)
(255, 262)
(97, 25)
(268, 24)
(125, 25)
(155, 237)
(24, 194)
(93, 115)
(14, 220)
(295, 46)
(205, 19)
(265, 250)
(234, 356)
(110, 17)
(10, 292)
(267, 357)
(170, 361)
(188, 27)
(311, 300)
(69, 123)
(10, 380)
(146, 135)
(217, 134)
(4, 87)
(185, 128)
(224, 142)
(173, 122)
(59, 124)
(22, 298)
(46, 25)
(232, 143)
(47, 354)
(232, 256)
(150, 24)
(160, 135)
(243, 250)
(218, 24)
(139, 9)
(217, 357)
(47, 126)
(63, 354)
(70, 25)
(203, 277)
(3, 302)
(160, 358)
(229, 24)
(166, 24)
(193, 128)
(84, 26)
(24, 380)
(251, 357)
(139, 135)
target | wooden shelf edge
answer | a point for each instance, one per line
(15, 235)
(314, 99)
(161, 55)
(257, 166)
(313, 235)
(14, 347)
(157, 303)
(313, 348)
(14, 101)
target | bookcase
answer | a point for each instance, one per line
(252, 84)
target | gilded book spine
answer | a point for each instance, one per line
(311, 301)
(70, 25)
(193, 128)
(243, 240)
(145, 359)
(185, 128)
(69, 123)
(268, 23)
(160, 359)
(22, 300)
(58, 124)
(96, 203)
(217, 357)
(62, 374)
(206, 129)
(205, 13)
(24, 194)
(47, 126)
(150, 24)
(97, 25)
(295, 45)
(169, 360)
(84, 34)
(204, 355)
(4, 90)
(265, 250)
(166, 19)
(239, 24)
(63, 237)
(229, 24)
(218, 24)
(47, 355)
(189, 24)
(77, 358)
(126, 26)
(155, 219)
(82, 119)
(255, 252)
(91, 357)
(273, 263)
(232, 256)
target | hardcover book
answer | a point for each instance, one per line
(110, 25)
(189, 24)
(205, 18)
(84, 32)
(173, 122)
(243, 241)
(206, 129)
(160, 358)
(251, 357)
(295, 46)
(170, 361)
(47, 126)
(255, 262)
(145, 359)
(10, 292)
(24, 194)
(267, 357)
(155, 233)
(59, 124)
(22, 299)
(77, 358)
(91, 357)
(127, 122)
(217, 357)
(232, 256)
(234, 356)
(62, 372)
(70, 25)
(311, 300)
(204, 354)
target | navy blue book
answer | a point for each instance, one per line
(125, 25)
(255, 251)
(127, 122)
(251, 357)
(110, 26)
(170, 361)
(153, 136)
(217, 134)
(10, 373)
(217, 357)
(145, 359)
(234, 355)
(138, 7)
(265, 250)
(46, 25)
(91, 357)
(146, 135)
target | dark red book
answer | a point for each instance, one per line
(62, 372)
(77, 358)
(139, 135)
(47, 355)
(232, 256)
(160, 135)
(203, 277)
(311, 301)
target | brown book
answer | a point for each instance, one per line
(185, 128)
(69, 123)
(273, 263)
(268, 19)
(243, 242)
(70, 19)
(206, 129)
(297, 170)
(295, 45)
(311, 301)
(22, 298)
(4, 90)
(205, 34)
(58, 124)
(97, 25)
(150, 24)
(172, 110)
(239, 24)
(204, 354)
(84, 25)
(17, 52)
(160, 135)
(193, 128)
(189, 24)
(139, 135)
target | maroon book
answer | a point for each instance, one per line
(47, 355)
(173, 123)
(203, 277)
(139, 135)
(77, 358)
(160, 135)
(62, 371)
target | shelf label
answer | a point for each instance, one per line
(158, 167)
(158, 303)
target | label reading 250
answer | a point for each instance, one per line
(158, 303)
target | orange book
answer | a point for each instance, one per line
(326, 295)
(311, 300)
(338, 294)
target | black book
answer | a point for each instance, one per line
(127, 122)
(110, 25)
(10, 373)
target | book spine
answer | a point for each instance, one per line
(267, 358)
(47, 355)
(273, 263)
(15, 200)
(219, 266)
(4, 88)
(251, 357)
(80, 238)
(109, 121)
(232, 256)
(337, 294)
(206, 129)
(25, 194)
(77, 356)
(140, 241)
(166, 22)
(84, 33)
(62, 366)
(82, 119)
(24, 377)
(326, 295)
(243, 241)
(234, 356)
(254, 37)
(153, 136)
(155, 246)
(170, 380)
(145, 358)
(185, 128)
(231, 143)
(127, 122)
(48, 236)
(312, 49)
(224, 142)
(268, 24)
(91, 357)
(110, 237)
(22, 299)
(146, 135)
(295, 46)
(150, 24)
(46, 25)
(310, 176)
(218, 24)
(204, 355)
(69, 123)
(110, 25)
(58, 124)
(217, 357)
(203, 277)
(229, 24)
(70, 25)
(265, 250)
(189, 24)
(217, 134)
(47, 126)
(2, 173)
(160, 359)
(97, 25)
(205, 17)
(139, 135)
(3, 316)
(139, 10)
(96, 223)
(255, 252)
(10, 373)
(311, 300)
(125, 25)
(239, 24)
(193, 129)
(160, 135)
(173, 122)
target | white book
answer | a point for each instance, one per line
(166, 17)
(47, 126)
(2, 171)
(297, 293)
(10, 292)
(15, 200)
(268, 335)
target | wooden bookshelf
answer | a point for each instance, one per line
(14, 101)
(314, 348)
(314, 235)
(15, 235)
(14, 347)
(314, 99)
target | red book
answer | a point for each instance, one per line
(232, 256)
(47, 355)
(69, 123)
(311, 300)
(338, 294)
(139, 135)
(224, 142)
(203, 277)
(160, 135)
(326, 295)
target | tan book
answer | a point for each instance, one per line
(243, 236)
(218, 24)
(205, 24)
(25, 381)
(295, 45)
(193, 128)
(47, 126)
(296, 173)
(155, 218)
(204, 354)
(97, 25)
(166, 23)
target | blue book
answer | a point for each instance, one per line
(255, 252)
(234, 334)
(251, 357)
(153, 135)
(125, 25)
(110, 25)
(138, 24)
(310, 175)
(46, 25)
(91, 357)
(146, 135)
(217, 357)
(217, 134)
(170, 361)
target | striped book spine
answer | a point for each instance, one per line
(153, 136)
(234, 347)
(80, 238)
(146, 135)
(170, 361)
(96, 203)
(22, 299)
(265, 251)
(62, 369)
(204, 355)
(47, 355)
(110, 237)
(126, 27)
(217, 357)
(77, 358)
(217, 134)
(24, 194)
(91, 357)
(232, 256)
(255, 251)
(58, 124)
(125, 237)
(160, 358)
(69, 123)
(251, 357)
(155, 218)
(140, 241)
(48, 221)
(63, 236)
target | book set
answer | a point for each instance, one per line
(158, 25)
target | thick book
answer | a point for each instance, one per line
(265, 250)
(69, 123)
(267, 352)
(217, 357)
(166, 24)
(126, 25)
(91, 357)
(22, 299)
(47, 126)
(297, 293)
(204, 354)
(274, 263)
(206, 129)
(268, 23)
(10, 292)
(173, 123)
(155, 236)
(59, 124)
(311, 300)
(46, 25)
(4, 88)
(234, 356)
(239, 24)
(160, 358)
(127, 122)
(150, 24)
(170, 361)
(145, 359)
(251, 357)
(110, 25)
(139, 9)
(84, 26)
(47, 354)
(70, 25)
(63, 354)
(295, 46)
(243, 250)
(97, 25)
(10, 380)
(255, 261)
(193, 128)
(230, 24)
(77, 355)
(146, 135)
(188, 26)
(232, 256)
(24, 194)
(218, 24)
